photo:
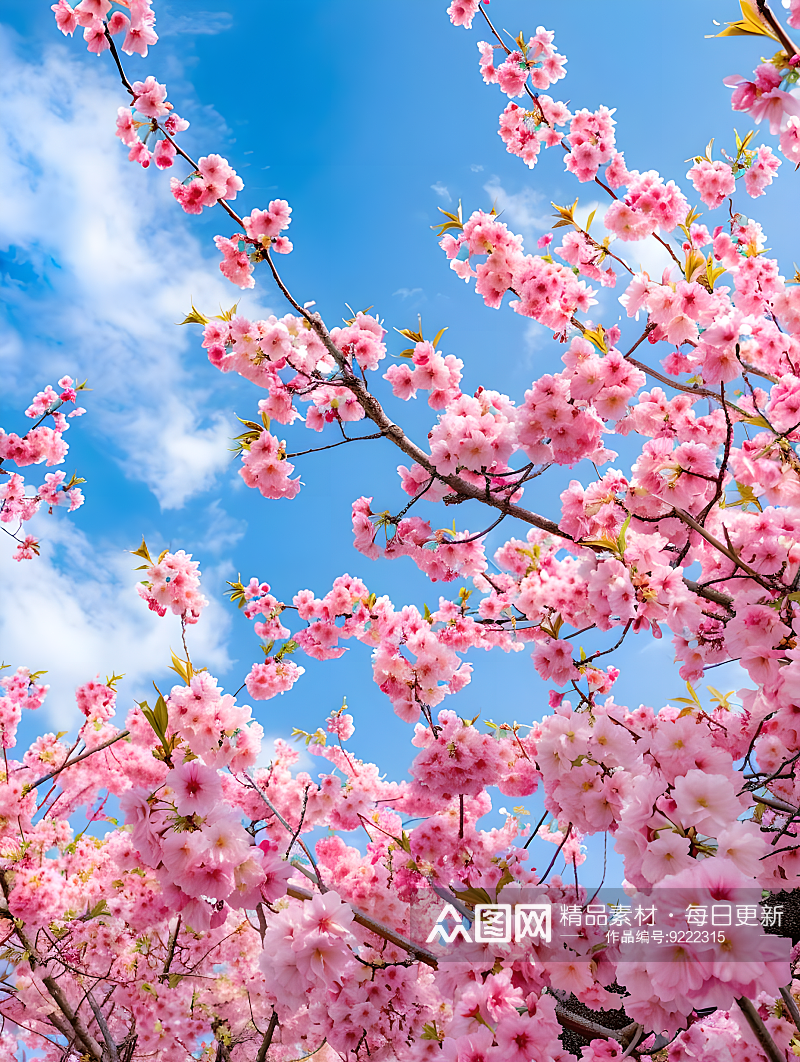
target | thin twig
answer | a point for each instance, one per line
(319, 449)
(555, 857)
(173, 940)
(378, 928)
(296, 833)
(700, 392)
(84, 755)
(539, 825)
(251, 783)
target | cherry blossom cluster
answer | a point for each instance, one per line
(534, 63)
(164, 152)
(715, 181)
(172, 584)
(548, 292)
(763, 98)
(772, 93)
(432, 371)
(92, 16)
(213, 179)
(249, 909)
(202, 924)
(41, 444)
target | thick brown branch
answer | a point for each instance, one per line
(112, 1050)
(708, 593)
(265, 1043)
(776, 805)
(591, 1029)
(788, 44)
(791, 1006)
(768, 1045)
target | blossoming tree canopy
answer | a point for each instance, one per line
(260, 912)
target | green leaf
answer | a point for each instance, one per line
(622, 533)
(454, 221)
(430, 1032)
(472, 896)
(598, 337)
(161, 714)
(438, 336)
(226, 315)
(237, 592)
(749, 25)
(195, 317)
(142, 552)
(182, 668)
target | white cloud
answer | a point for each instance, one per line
(223, 531)
(116, 266)
(407, 293)
(647, 254)
(200, 23)
(77, 626)
(442, 191)
(536, 337)
(476, 169)
(521, 215)
(520, 211)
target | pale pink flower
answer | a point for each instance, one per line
(706, 801)
(65, 17)
(196, 788)
(150, 98)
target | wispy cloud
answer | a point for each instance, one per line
(442, 191)
(77, 628)
(200, 23)
(101, 265)
(521, 210)
(223, 531)
(536, 337)
(407, 293)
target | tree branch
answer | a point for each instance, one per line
(111, 1046)
(791, 1006)
(378, 928)
(265, 1043)
(83, 756)
(788, 44)
(768, 1045)
(591, 1029)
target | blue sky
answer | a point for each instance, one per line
(367, 117)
